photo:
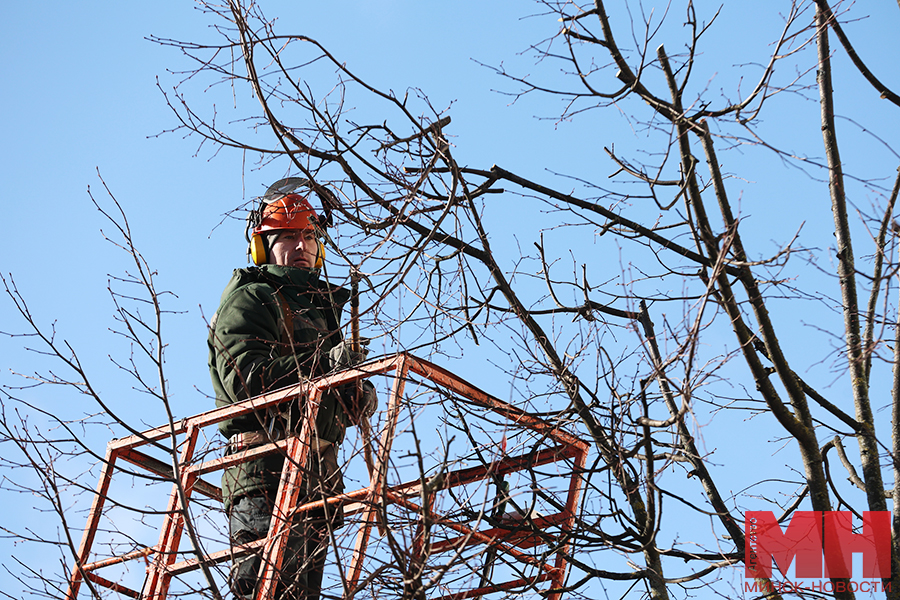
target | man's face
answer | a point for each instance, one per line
(295, 248)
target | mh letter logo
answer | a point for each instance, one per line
(811, 534)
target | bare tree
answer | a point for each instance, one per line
(683, 344)
(44, 440)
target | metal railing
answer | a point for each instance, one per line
(515, 539)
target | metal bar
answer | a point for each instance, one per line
(359, 550)
(112, 585)
(571, 510)
(522, 557)
(387, 435)
(387, 440)
(218, 464)
(513, 535)
(463, 388)
(451, 479)
(157, 565)
(496, 588)
(349, 509)
(120, 559)
(158, 577)
(507, 465)
(376, 486)
(368, 501)
(190, 564)
(502, 496)
(261, 402)
(286, 500)
(90, 529)
(154, 465)
(281, 520)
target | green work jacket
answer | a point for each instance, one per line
(250, 354)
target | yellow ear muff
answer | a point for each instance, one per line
(258, 250)
(320, 255)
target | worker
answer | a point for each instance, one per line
(278, 324)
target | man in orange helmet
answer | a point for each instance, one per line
(277, 324)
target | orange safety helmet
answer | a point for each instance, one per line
(288, 212)
(291, 211)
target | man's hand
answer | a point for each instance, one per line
(368, 399)
(343, 356)
(360, 397)
(360, 400)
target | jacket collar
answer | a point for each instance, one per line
(292, 275)
(304, 278)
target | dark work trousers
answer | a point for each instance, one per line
(307, 545)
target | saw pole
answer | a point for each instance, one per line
(365, 428)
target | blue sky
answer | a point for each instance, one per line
(84, 101)
(84, 95)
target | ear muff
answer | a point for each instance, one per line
(258, 250)
(320, 255)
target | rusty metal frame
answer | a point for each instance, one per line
(512, 541)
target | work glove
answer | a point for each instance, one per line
(368, 399)
(360, 400)
(343, 356)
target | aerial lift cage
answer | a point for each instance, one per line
(491, 522)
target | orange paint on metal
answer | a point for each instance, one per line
(508, 538)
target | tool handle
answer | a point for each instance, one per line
(354, 311)
(365, 428)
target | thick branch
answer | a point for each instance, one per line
(846, 272)
(831, 20)
(613, 218)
